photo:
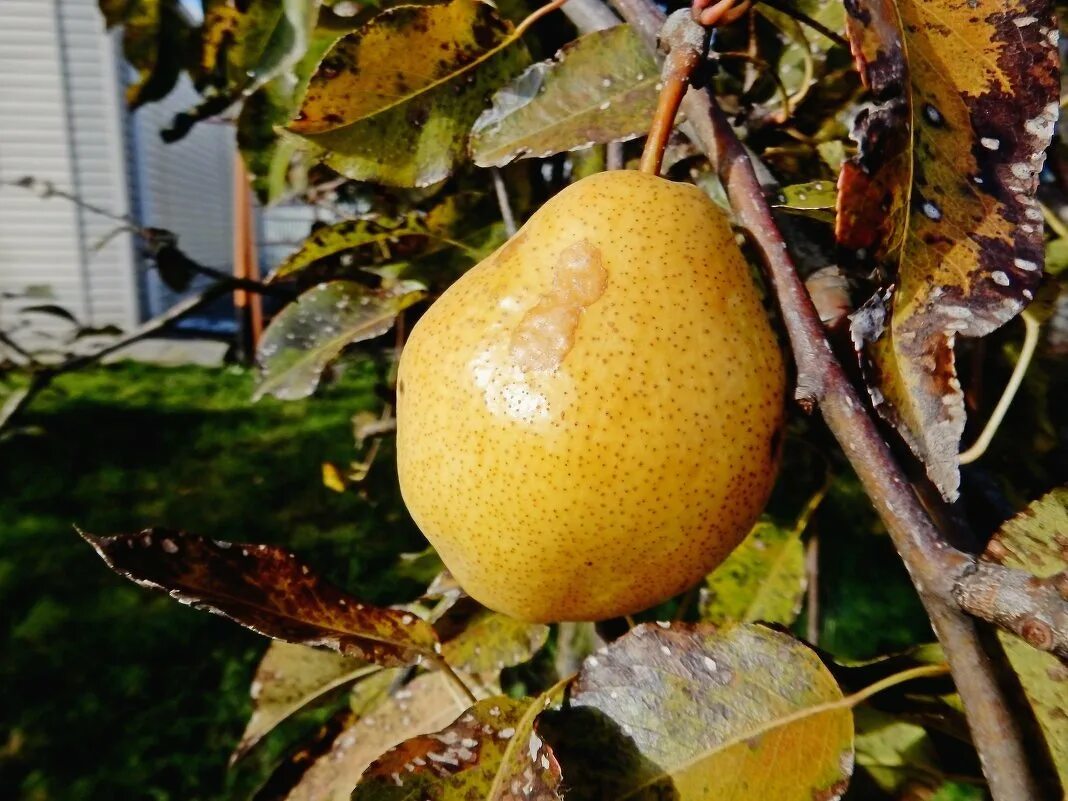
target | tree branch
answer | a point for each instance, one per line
(1033, 609)
(933, 565)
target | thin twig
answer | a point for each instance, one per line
(812, 591)
(933, 565)
(613, 156)
(982, 442)
(502, 201)
(790, 11)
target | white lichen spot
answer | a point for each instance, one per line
(665, 650)
(544, 762)
(1027, 293)
(931, 210)
(1025, 264)
(534, 746)
(168, 546)
(606, 82)
(1023, 22)
(495, 711)
(506, 734)
(407, 620)
(1033, 214)
(1000, 278)
(664, 624)
(1021, 171)
(710, 663)
(990, 143)
(397, 779)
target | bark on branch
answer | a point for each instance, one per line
(1033, 609)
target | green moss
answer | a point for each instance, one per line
(112, 691)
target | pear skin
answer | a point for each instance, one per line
(588, 421)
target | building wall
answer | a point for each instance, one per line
(62, 119)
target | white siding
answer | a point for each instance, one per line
(39, 242)
(93, 103)
(186, 186)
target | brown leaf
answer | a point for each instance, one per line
(289, 678)
(268, 590)
(382, 721)
(490, 752)
(941, 194)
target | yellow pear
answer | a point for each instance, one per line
(589, 420)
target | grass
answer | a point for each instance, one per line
(111, 691)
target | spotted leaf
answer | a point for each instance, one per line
(762, 580)
(310, 333)
(600, 88)
(694, 712)
(393, 102)
(1036, 540)
(290, 678)
(383, 712)
(940, 196)
(490, 752)
(268, 590)
(480, 641)
(815, 199)
(154, 36)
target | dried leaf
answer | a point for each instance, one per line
(762, 580)
(425, 704)
(702, 713)
(488, 641)
(268, 590)
(490, 752)
(1036, 540)
(289, 678)
(407, 125)
(941, 194)
(306, 336)
(600, 88)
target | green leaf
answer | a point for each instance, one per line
(600, 88)
(268, 590)
(762, 580)
(490, 752)
(407, 125)
(289, 678)
(815, 199)
(695, 712)
(1036, 540)
(488, 641)
(893, 752)
(307, 335)
(266, 155)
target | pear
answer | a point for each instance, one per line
(589, 420)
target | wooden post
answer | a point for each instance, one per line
(248, 306)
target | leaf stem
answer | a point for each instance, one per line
(442, 664)
(1027, 351)
(535, 15)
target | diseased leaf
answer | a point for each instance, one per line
(762, 580)
(266, 155)
(941, 195)
(488, 641)
(425, 704)
(154, 37)
(815, 199)
(1036, 540)
(306, 336)
(600, 88)
(289, 678)
(244, 45)
(268, 590)
(700, 713)
(407, 125)
(490, 752)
